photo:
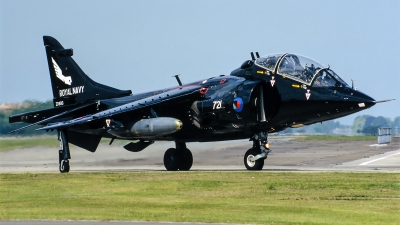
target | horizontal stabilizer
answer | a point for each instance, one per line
(47, 119)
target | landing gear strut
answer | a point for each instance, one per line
(179, 158)
(63, 154)
(254, 157)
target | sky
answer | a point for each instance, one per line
(140, 45)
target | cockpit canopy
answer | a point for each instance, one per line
(300, 68)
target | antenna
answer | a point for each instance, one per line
(177, 79)
(252, 56)
(352, 84)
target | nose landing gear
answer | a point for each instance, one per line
(254, 157)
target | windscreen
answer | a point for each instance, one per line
(328, 78)
(269, 61)
(341, 83)
(324, 79)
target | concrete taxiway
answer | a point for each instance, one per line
(286, 155)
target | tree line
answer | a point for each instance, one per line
(6, 110)
(362, 125)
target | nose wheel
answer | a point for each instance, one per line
(253, 165)
(254, 157)
(179, 158)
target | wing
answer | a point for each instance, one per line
(170, 96)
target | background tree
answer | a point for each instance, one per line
(26, 106)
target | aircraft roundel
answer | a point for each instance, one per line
(238, 104)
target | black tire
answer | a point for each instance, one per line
(186, 160)
(172, 159)
(257, 165)
(64, 166)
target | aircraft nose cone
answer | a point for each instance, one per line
(364, 100)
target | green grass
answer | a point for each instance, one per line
(234, 197)
(335, 138)
(28, 142)
(11, 143)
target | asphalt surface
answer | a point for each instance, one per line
(286, 155)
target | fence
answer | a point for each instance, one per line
(384, 135)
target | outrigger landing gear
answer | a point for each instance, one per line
(254, 157)
(179, 158)
(63, 154)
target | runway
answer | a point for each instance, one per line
(286, 155)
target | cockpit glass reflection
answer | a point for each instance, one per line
(268, 62)
(299, 67)
(328, 78)
(324, 79)
(341, 82)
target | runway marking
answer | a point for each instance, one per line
(365, 163)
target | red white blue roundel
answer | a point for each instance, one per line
(238, 104)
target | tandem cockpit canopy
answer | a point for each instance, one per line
(299, 68)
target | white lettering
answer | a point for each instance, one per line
(217, 104)
(71, 91)
(60, 103)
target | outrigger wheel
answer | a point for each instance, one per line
(63, 154)
(64, 166)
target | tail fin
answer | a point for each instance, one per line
(70, 84)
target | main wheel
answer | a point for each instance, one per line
(186, 160)
(172, 159)
(253, 165)
(64, 166)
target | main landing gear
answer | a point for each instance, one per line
(63, 154)
(179, 158)
(254, 157)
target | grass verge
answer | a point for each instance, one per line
(222, 197)
(10, 143)
(28, 142)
